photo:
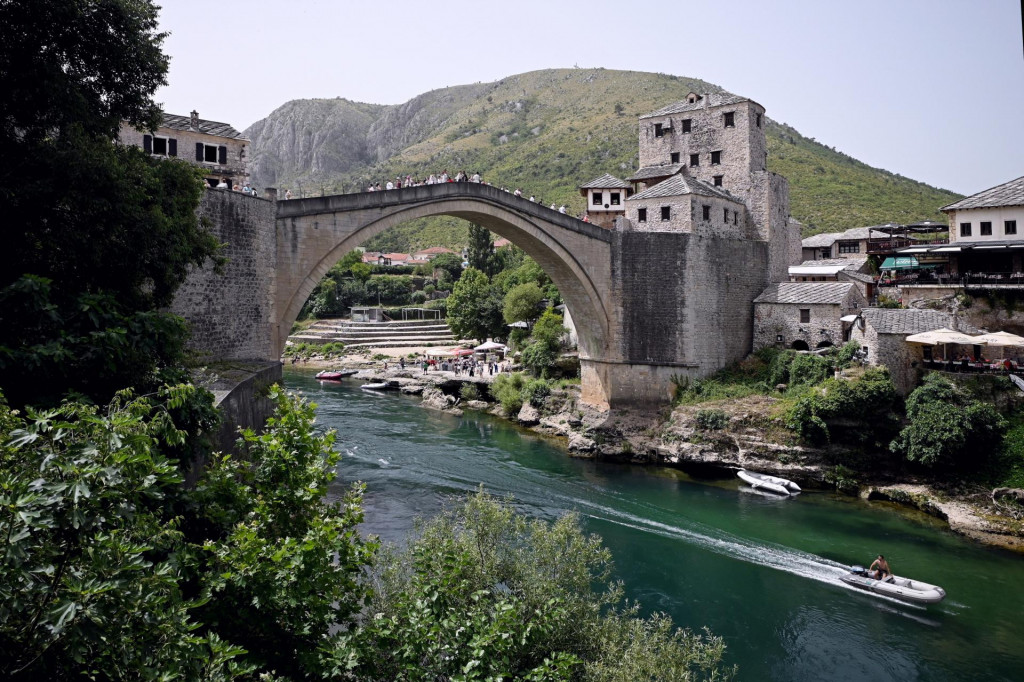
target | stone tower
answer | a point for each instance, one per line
(720, 140)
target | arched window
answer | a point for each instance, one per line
(800, 344)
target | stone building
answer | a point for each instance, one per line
(606, 197)
(719, 141)
(853, 270)
(852, 243)
(685, 204)
(220, 150)
(986, 230)
(882, 333)
(805, 315)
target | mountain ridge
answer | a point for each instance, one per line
(546, 132)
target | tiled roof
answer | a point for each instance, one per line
(1007, 194)
(606, 181)
(679, 185)
(435, 249)
(908, 321)
(858, 276)
(713, 99)
(805, 292)
(175, 122)
(847, 263)
(648, 172)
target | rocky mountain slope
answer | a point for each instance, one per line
(546, 132)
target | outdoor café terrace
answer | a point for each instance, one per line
(996, 353)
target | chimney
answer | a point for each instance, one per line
(194, 123)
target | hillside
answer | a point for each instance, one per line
(546, 132)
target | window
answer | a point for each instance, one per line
(598, 198)
(965, 229)
(694, 160)
(615, 198)
(735, 217)
(986, 228)
(674, 157)
(1010, 227)
(849, 247)
(718, 180)
(211, 153)
(160, 146)
(758, 119)
(805, 314)
(666, 213)
(687, 125)
(706, 212)
(730, 119)
(716, 158)
(725, 216)
(658, 132)
(641, 215)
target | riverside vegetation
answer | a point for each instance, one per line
(133, 551)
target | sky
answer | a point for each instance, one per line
(930, 89)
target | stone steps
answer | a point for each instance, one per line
(407, 334)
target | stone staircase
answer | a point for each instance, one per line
(405, 334)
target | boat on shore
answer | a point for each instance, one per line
(758, 481)
(375, 386)
(904, 589)
(334, 375)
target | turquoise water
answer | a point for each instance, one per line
(760, 572)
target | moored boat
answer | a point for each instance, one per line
(375, 385)
(904, 589)
(758, 481)
(329, 375)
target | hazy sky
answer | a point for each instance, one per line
(930, 89)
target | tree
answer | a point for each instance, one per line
(522, 303)
(485, 593)
(100, 235)
(450, 266)
(474, 307)
(545, 343)
(948, 428)
(481, 250)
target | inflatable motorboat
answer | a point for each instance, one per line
(894, 586)
(780, 486)
(375, 386)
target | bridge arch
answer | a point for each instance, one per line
(314, 234)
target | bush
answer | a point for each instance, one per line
(507, 389)
(948, 428)
(846, 354)
(536, 391)
(418, 297)
(865, 405)
(711, 420)
(843, 479)
(809, 370)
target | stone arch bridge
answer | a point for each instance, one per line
(649, 307)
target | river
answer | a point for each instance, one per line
(762, 573)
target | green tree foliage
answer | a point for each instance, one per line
(474, 307)
(100, 236)
(948, 428)
(863, 409)
(522, 303)
(110, 566)
(545, 343)
(507, 389)
(486, 594)
(450, 266)
(480, 252)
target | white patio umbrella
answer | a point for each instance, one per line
(1000, 339)
(492, 345)
(939, 337)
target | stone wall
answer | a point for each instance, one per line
(686, 302)
(686, 214)
(772, 320)
(891, 350)
(230, 313)
(768, 201)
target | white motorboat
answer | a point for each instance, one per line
(774, 484)
(894, 586)
(375, 386)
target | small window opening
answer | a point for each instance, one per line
(641, 215)
(718, 180)
(598, 198)
(730, 119)
(615, 198)
(805, 314)
(706, 212)
(658, 131)
(674, 157)
(210, 153)
(965, 229)
(687, 125)
(1010, 227)
(160, 146)
(666, 213)
(725, 216)
(757, 118)
(694, 160)
(716, 158)
(986, 228)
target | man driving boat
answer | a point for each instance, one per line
(882, 567)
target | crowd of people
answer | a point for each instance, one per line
(460, 366)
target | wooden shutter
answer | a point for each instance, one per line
(147, 144)
(172, 147)
(199, 152)
(222, 155)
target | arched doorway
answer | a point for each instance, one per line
(800, 344)
(824, 344)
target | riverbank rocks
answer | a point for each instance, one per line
(438, 400)
(412, 389)
(528, 415)
(1014, 494)
(580, 443)
(481, 405)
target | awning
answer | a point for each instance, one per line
(816, 269)
(916, 249)
(1000, 339)
(900, 263)
(848, 318)
(490, 345)
(947, 249)
(938, 337)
